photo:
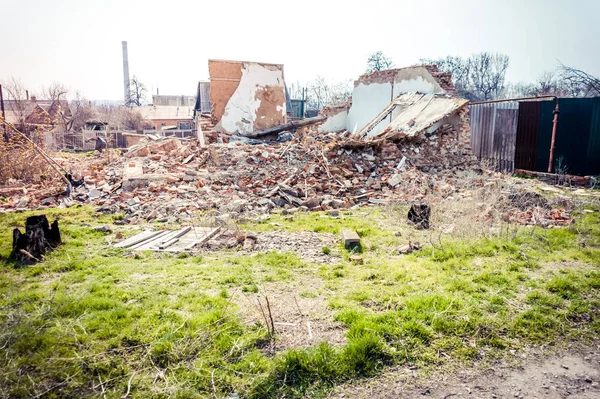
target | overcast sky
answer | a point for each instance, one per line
(78, 42)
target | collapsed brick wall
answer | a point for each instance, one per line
(447, 147)
(443, 79)
(465, 130)
(385, 76)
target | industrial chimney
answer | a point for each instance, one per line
(126, 89)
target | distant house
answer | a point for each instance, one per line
(173, 100)
(166, 117)
(32, 114)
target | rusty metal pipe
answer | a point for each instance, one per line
(554, 123)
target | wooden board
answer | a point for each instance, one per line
(184, 239)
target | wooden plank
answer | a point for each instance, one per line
(169, 240)
(148, 242)
(138, 238)
(195, 237)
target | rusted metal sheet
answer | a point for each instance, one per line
(493, 133)
(527, 135)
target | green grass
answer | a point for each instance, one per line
(92, 318)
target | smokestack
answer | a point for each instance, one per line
(126, 89)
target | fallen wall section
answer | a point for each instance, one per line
(246, 96)
(373, 92)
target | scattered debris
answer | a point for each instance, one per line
(103, 229)
(409, 248)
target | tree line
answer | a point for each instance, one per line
(478, 77)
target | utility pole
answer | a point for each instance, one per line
(3, 114)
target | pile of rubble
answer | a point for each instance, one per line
(171, 180)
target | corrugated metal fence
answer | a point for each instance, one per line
(494, 133)
(516, 134)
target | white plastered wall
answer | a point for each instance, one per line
(368, 100)
(241, 111)
(335, 123)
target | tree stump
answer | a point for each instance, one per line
(419, 215)
(39, 238)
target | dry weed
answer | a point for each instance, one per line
(19, 161)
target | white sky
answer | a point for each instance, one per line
(78, 42)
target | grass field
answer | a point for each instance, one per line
(92, 320)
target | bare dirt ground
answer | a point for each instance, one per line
(572, 372)
(299, 321)
(307, 244)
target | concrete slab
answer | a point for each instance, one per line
(134, 176)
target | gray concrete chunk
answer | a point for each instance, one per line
(395, 180)
(350, 238)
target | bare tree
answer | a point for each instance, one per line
(378, 62)
(518, 90)
(322, 93)
(55, 92)
(70, 114)
(478, 77)
(82, 111)
(138, 92)
(579, 83)
(16, 94)
(296, 90)
(488, 74)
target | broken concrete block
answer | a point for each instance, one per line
(395, 180)
(350, 239)
(94, 194)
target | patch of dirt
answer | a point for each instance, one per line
(300, 321)
(567, 373)
(309, 245)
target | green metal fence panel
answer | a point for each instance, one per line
(593, 154)
(572, 136)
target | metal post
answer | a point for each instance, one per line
(2, 103)
(554, 123)
(3, 114)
